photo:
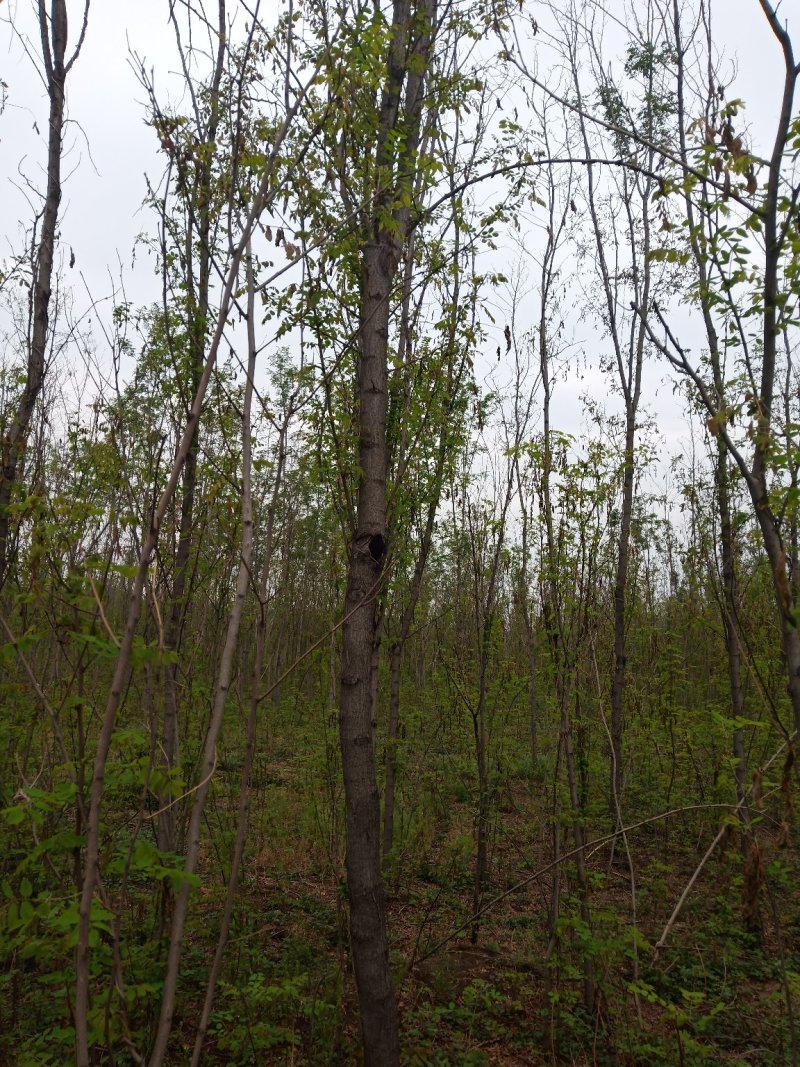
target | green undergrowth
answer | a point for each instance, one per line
(718, 991)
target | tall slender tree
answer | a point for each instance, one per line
(397, 138)
(56, 66)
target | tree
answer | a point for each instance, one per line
(701, 240)
(264, 192)
(730, 278)
(190, 219)
(56, 67)
(397, 137)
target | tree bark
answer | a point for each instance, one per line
(368, 933)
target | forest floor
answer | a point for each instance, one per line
(716, 993)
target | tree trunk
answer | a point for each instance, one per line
(359, 637)
(54, 45)
(398, 124)
(620, 618)
(755, 475)
(731, 624)
(392, 742)
(255, 697)
(224, 677)
(199, 220)
(533, 702)
(580, 842)
(398, 645)
(563, 659)
(482, 821)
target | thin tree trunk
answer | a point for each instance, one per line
(629, 368)
(53, 32)
(773, 324)
(261, 199)
(533, 701)
(218, 712)
(729, 581)
(580, 842)
(121, 669)
(255, 698)
(485, 611)
(398, 645)
(481, 875)
(530, 634)
(731, 624)
(199, 218)
(620, 617)
(560, 653)
(392, 744)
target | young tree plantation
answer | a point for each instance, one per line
(400, 540)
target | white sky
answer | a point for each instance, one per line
(109, 148)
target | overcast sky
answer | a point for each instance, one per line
(109, 147)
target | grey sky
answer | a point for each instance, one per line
(110, 148)
(101, 208)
